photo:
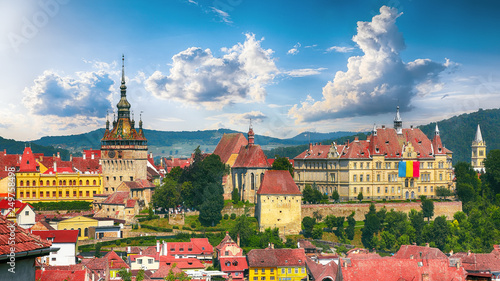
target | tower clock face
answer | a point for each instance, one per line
(111, 154)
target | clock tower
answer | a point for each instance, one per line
(124, 149)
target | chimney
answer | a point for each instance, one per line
(71, 158)
(140, 252)
(128, 250)
(151, 154)
(164, 249)
(58, 154)
(468, 253)
(55, 167)
(157, 246)
(238, 240)
(310, 146)
(356, 139)
(383, 126)
(84, 155)
(92, 155)
(427, 245)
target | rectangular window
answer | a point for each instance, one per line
(256, 278)
(150, 261)
(271, 278)
(80, 193)
(354, 178)
(296, 270)
(378, 177)
(263, 270)
(263, 278)
(27, 213)
(272, 270)
(386, 189)
(256, 271)
(282, 271)
(425, 188)
(139, 261)
(378, 189)
(367, 189)
(67, 193)
(289, 270)
(367, 177)
(54, 194)
(361, 165)
(74, 193)
(360, 178)
(21, 194)
(47, 194)
(41, 194)
(419, 189)
(87, 193)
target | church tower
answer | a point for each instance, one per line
(398, 123)
(478, 151)
(124, 150)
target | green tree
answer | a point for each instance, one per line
(175, 174)
(97, 253)
(443, 192)
(331, 221)
(340, 231)
(308, 225)
(167, 195)
(492, 168)
(125, 274)
(371, 227)
(282, 163)
(351, 223)
(235, 196)
(311, 195)
(418, 223)
(242, 227)
(427, 207)
(179, 276)
(210, 209)
(465, 192)
(440, 231)
(335, 196)
(360, 196)
(317, 232)
(139, 276)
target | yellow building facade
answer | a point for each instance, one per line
(371, 166)
(80, 223)
(276, 264)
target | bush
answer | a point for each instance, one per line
(193, 225)
(233, 216)
(63, 205)
(226, 216)
(175, 227)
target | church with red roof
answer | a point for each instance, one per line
(392, 163)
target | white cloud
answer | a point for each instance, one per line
(340, 49)
(87, 95)
(305, 72)
(224, 16)
(376, 81)
(240, 118)
(197, 77)
(272, 105)
(170, 119)
(294, 50)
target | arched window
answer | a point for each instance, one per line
(41, 182)
(34, 182)
(27, 183)
(74, 182)
(94, 182)
(261, 177)
(64, 182)
(47, 183)
(87, 182)
(79, 232)
(80, 182)
(21, 183)
(54, 182)
(252, 181)
(86, 232)
(60, 182)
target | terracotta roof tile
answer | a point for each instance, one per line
(24, 241)
(251, 156)
(58, 236)
(117, 198)
(321, 272)
(67, 275)
(230, 144)
(232, 264)
(276, 257)
(278, 182)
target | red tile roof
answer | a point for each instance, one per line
(164, 270)
(278, 182)
(251, 156)
(42, 225)
(276, 257)
(197, 246)
(24, 241)
(117, 198)
(67, 275)
(385, 142)
(322, 272)
(182, 263)
(489, 262)
(233, 264)
(28, 162)
(230, 144)
(139, 184)
(130, 203)
(413, 251)
(58, 236)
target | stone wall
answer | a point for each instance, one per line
(238, 211)
(176, 219)
(447, 209)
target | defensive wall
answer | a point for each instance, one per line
(447, 209)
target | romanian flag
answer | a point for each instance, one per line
(409, 169)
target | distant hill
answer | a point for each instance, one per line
(458, 132)
(307, 137)
(17, 147)
(171, 143)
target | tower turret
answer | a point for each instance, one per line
(478, 151)
(398, 122)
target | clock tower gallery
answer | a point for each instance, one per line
(123, 149)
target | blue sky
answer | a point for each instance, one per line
(291, 66)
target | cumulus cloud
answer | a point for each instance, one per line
(340, 49)
(304, 72)
(294, 50)
(198, 77)
(52, 94)
(376, 81)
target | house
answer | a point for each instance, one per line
(323, 272)
(118, 205)
(19, 250)
(480, 266)
(198, 248)
(279, 202)
(231, 258)
(65, 241)
(107, 267)
(163, 272)
(277, 264)
(409, 263)
(308, 247)
(146, 262)
(16, 211)
(82, 274)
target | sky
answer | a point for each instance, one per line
(288, 66)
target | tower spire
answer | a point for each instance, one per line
(398, 122)
(436, 132)
(123, 105)
(123, 69)
(479, 136)
(250, 134)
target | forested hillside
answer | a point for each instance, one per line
(457, 133)
(17, 147)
